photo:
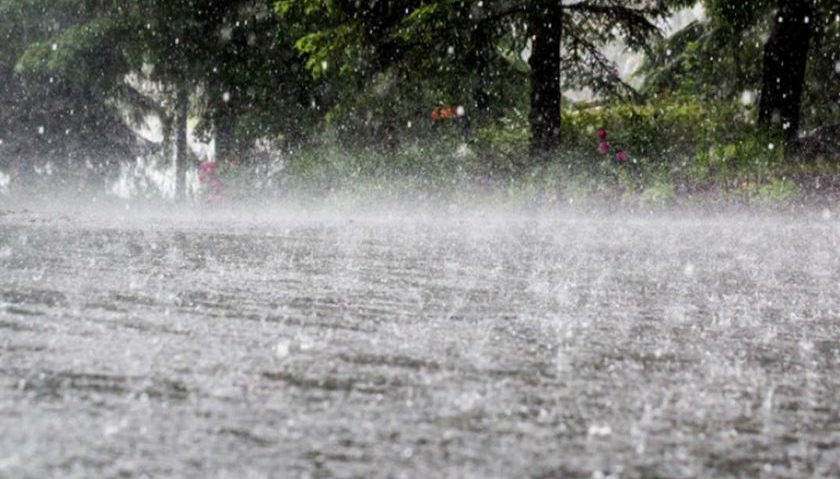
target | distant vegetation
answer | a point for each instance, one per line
(744, 102)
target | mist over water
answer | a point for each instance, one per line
(415, 339)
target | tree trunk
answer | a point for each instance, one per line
(225, 113)
(785, 60)
(479, 60)
(545, 24)
(224, 137)
(181, 105)
(166, 131)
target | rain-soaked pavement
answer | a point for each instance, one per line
(419, 345)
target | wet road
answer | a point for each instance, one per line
(456, 345)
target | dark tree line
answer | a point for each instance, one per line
(71, 71)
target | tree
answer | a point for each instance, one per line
(230, 64)
(58, 67)
(182, 102)
(385, 36)
(254, 83)
(785, 60)
(545, 25)
(716, 58)
(786, 50)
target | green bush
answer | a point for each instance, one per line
(676, 147)
(777, 190)
(667, 131)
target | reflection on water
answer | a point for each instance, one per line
(467, 346)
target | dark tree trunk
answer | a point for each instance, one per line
(479, 61)
(166, 130)
(546, 30)
(224, 121)
(225, 107)
(181, 106)
(785, 59)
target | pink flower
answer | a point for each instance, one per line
(602, 134)
(206, 171)
(604, 147)
(621, 156)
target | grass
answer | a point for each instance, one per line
(459, 172)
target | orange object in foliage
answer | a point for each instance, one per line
(444, 112)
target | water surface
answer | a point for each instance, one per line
(431, 344)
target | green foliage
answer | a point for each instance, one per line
(678, 148)
(670, 137)
(720, 58)
(503, 144)
(395, 59)
(85, 54)
(778, 190)
(705, 59)
(641, 129)
(58, 66)
(748, 158)
(657, 195)
(349, 86)
(677, 145)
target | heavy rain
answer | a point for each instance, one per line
(411, 239)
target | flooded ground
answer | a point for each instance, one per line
(442, 344)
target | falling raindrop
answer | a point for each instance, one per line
(747, 98)
(596, 430)
(282, 349)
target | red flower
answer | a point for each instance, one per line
(602, 134)
(620, 156)
(604, 147)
